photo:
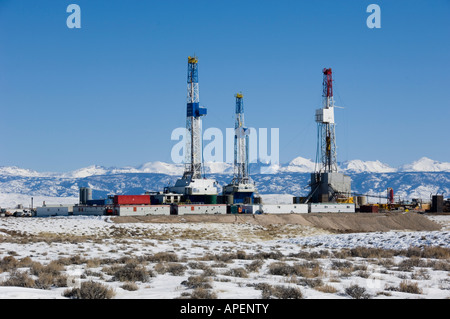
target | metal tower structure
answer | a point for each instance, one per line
(193, 165)
(327, 184)
(241, 133)
(192, 185)
(241, 187)
(326, 152)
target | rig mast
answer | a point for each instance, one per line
(192, 185)
(326, 157)
(240, 144)
(241, 187)
(193, 166)
(327, 184)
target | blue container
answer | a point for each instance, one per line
(98, 202)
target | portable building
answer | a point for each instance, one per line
(56, 210)
(141, 210)
(284, 208)
(331, 208)
(89, 210)
(193, 209)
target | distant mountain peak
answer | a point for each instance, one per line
(19, 185)
(359, 166)
(426, 164)
(299, 165)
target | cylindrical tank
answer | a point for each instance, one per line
(85, 195)
(362, 200)
(230, 199)
(391, 196)
(210, 199)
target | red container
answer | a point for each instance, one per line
(132, 199)
(368, 209)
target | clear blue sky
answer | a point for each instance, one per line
(111, 92)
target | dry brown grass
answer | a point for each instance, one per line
(306, 270)
(19, 279)
(326, 289)
(409, 287)
(280, 292)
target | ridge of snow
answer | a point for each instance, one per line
(297, 165)
(17, 171)
(359, 166)
(426, 164)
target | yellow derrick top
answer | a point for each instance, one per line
(239, 95)
(192, 59)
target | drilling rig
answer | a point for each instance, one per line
(241, 187)
(193, 185)
(327, 184)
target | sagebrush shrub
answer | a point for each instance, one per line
(90, 290)
(132, 272)
(357, 292)
(409, 287)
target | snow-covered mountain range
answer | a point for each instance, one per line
(419, 179)
(297, 165)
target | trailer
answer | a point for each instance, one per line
(141, 210)
(194, 209)
(54, 210)
(331, 208)
(88, 210)
(275, 209)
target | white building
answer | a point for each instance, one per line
(276, 209)
(141, 210)
(89, 210)
(331, 208)
(54, 210)
(195, 209)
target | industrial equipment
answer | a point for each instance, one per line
(327, 184)
(241, 187)
(193, 184)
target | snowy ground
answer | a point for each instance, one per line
(232, 259)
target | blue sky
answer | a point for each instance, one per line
(112, 92)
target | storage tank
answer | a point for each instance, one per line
(437, 203)
(391, 196)
(85, 195)
(361, 200)
(210, 199)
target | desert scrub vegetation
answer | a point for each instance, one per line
(194, 282)
(279, 292)
(307, 269)
(199, 293)
(90, 290)
(48, 276)
(255, 265)
(19, 279)
(357, 292)
(409, 287)
(132, 271)
(207, 270)
(237, 272)
(326, 289)
(163, 257)
(176, 269)
(130, 286)
(201, 288)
